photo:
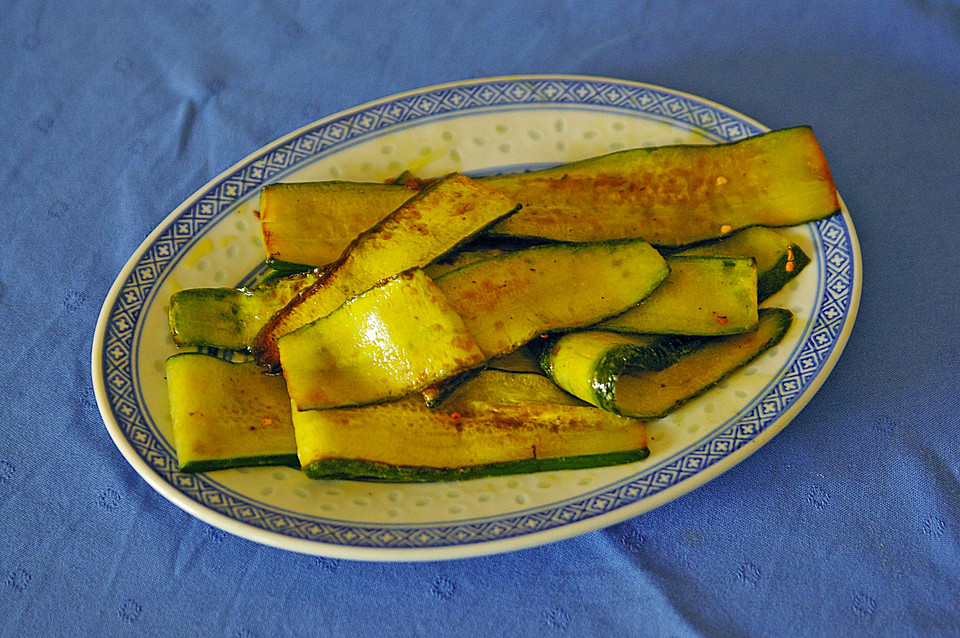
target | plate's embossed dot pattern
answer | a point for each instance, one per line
(119, 356)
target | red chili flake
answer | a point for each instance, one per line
(722, 320)
(790, 260)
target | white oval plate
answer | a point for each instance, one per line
(212, 239)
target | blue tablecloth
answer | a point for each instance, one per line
(846, 523)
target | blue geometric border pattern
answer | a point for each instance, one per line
(117, 355)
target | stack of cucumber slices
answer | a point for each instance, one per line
(457, 327)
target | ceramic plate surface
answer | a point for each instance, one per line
(477, 126)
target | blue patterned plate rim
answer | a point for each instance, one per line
(114, 350)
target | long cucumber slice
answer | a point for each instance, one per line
(230, 318)
(469, 437)
(228, 414)
(675, 195)
(700, 296)
(434, 222)
(669, 196)
(628, 378)
(398, 337)
(509, 299)
(503, 423)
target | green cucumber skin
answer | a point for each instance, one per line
(782, 316)
(228, 318)
(212, 317)
(285, 268)
(210, 465)
(661, 352)
(772, 280)
(561, 248)
(608, 367)
(362, 470)
(737, 297)
(751, 242)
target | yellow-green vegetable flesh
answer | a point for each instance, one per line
(393, 339)
(228, 414)
(230, 318)
(700, 296)
(610, 375)
(405, 441)
(669, 196)
(675, 195)
(433, 223)
(778, 259)
(508, 300)
(312, 223)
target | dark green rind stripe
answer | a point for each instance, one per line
(287, 268)
(771, 250)
(782, 319)
(362, 470)
(645, 352)
(209, 465)
(661, 352)
(597, 373)
(772, 279)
